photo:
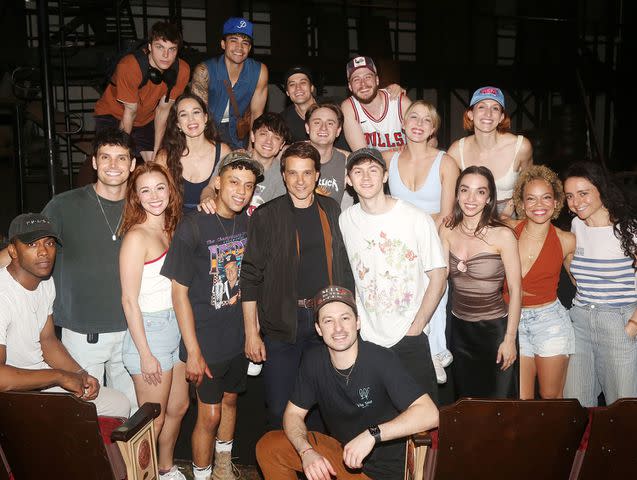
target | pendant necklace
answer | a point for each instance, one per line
(234, 220)
(539, 240)
(113, 233)
(345, 375)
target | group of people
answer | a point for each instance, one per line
(246, 239)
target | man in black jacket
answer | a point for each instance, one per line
(295, 250)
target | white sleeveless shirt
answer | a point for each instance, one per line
(154, 292)
(385, 132)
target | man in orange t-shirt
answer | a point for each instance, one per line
(135, 101)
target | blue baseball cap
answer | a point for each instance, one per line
(236, 25)
(487, 93)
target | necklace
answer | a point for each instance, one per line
(113, 233)
(234, 221)
(345, 375)
(469, 232)
(539, 240)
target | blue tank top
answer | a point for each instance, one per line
(427, 197)
(243, 90)
(192, 191)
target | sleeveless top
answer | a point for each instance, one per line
(477, 291)
(243, 90)
(154, 292)
(504, 185)
(385, 132)
(604, 274)
(427, 197)
(539, 285)
(192, 191)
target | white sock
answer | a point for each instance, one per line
(201, 473)
(223, 446)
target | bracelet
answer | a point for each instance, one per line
(81, 370)
(303, 452)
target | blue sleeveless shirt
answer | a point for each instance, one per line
(427, 197)
(243, 90)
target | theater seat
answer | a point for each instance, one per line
(57, 435)
(499, 440)
(608, 449)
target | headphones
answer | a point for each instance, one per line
(156, 76)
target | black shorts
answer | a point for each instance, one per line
(229, 376)
(143, 136)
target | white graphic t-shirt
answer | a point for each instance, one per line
(390, 254)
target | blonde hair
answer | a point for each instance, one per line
(435, 116)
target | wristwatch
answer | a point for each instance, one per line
(374, 430)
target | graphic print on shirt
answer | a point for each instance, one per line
(226, 255)
(257, 198)
(394, 289)
(365, 401)
(327, 186)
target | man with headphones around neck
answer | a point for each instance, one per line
(143, 88)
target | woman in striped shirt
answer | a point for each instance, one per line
(603, 312)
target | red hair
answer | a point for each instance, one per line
(135, 214)
(503, 127)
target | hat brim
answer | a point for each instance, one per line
(30, 237)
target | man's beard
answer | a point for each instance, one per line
(366, 101)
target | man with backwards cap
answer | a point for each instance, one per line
(365, 396)
(31, 356)
(372, 117)
(234, 87)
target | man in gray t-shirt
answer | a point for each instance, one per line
(323, 123)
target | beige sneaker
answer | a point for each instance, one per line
(224, 469)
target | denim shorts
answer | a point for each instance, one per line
(546, 331)
(162, 334)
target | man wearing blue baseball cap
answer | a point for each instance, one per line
(234, 87)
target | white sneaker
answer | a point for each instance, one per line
(172, 474)
(441, 375)
(445, 358)
(254, 369)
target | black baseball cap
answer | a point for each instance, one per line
(240, 156)
(29, 227)
(297, 69)
(366, 153)
(334, 293)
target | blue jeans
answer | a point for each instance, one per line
(605, 358)
(282, 365)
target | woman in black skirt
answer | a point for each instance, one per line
(482, 251)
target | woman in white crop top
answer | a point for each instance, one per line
(151, 346)
(492, 145)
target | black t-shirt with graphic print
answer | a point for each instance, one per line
(201, 247)
(379, 389)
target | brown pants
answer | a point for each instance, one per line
(280, 461)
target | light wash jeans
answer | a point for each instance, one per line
(605, 358)
(105, 356)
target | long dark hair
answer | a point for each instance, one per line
(489, 215)
(620, 210)
(174, 142)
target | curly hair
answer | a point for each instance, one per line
(174, 142)
(622, 214)
(135, 214)
(538, 172)
(489, 215)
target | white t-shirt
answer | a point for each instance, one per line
(390, 254)
(23, 314)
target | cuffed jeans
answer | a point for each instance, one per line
(605, 358)
(105, 356)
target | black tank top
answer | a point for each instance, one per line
(192, 191)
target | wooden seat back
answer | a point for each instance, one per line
(505, 439)
(612, 445)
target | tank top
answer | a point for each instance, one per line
(192, 191)
(539, 285)
(504, 185)
(604, 274)
(385, 132)
(155, 289)
(477, 291)
(427, 197)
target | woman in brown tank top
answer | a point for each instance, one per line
(545, 331)
(482, 251)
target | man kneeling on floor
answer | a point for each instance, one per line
(367, 399)
(31, 356)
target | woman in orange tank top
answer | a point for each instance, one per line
(545, 330)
